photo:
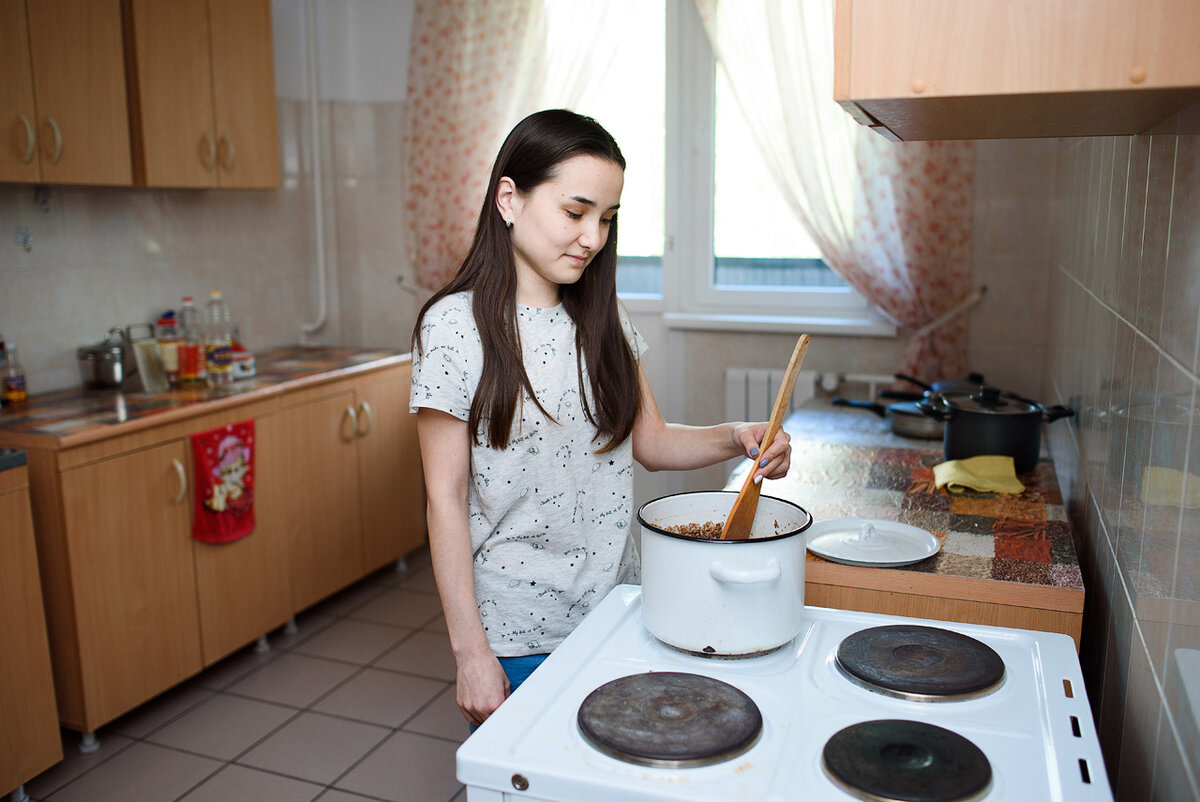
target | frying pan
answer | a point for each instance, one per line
(905, 418)
(971, 384)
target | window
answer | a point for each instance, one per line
(704, 232)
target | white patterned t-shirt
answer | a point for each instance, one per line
(549, 518)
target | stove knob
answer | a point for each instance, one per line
(520, 782)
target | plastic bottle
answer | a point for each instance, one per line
(218, 340)
(166, 331)
(191, 351)
(14, 391)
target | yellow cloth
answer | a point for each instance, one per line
(990, 474)
(1167, 487)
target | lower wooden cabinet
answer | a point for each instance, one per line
(132, 580)
(29, 738)
(134, 604)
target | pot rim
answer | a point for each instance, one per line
(691, 539)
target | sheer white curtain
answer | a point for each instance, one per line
(893, 219)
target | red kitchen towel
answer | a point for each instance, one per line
(224, 470)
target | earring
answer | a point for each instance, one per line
(508, 222)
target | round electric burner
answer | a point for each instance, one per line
(920, 663)
(670, 719)
(893, 760)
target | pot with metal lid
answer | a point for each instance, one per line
(102, 364)
(991, 422)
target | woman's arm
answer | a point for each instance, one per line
(658, 445)
(446, 457)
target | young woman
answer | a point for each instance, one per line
(531, 407)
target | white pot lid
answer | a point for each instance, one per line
(865, 541)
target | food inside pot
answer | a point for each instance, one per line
(709, 530)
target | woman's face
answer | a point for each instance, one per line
(559, 226)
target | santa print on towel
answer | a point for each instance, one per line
(224, 470)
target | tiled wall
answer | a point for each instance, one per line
(1124, 328)
(102, 257)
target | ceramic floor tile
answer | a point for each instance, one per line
(400, 607)
(294, 679)
(358, 642)
(441, 718)
(380, 697)
(75, 763)
(307, 624)
(334, 795)
(315, 747)
(240, 784)
(426, 653)
(143, 772)
(406, 768)
(349, 599)
(422, 581)
(233, 668)
(158, 711)
(223, 726)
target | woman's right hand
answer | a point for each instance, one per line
(482, 686)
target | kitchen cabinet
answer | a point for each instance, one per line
(342, 477)
(308, 488)
(203, 80)
(133, 603)
(132, 580)
(991, 69)
(391, 482)
(29, 738)
(63, 99)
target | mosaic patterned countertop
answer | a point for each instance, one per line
(846, 464)
(77, 415)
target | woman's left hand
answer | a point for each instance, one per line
(775, 461)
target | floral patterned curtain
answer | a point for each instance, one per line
(892, 219)
(470, 79)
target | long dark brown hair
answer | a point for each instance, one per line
(530, 156)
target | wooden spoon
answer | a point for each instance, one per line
(740, 522)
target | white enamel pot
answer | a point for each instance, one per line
(728, 598)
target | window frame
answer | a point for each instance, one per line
(690, 299)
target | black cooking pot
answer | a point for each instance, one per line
(991, 422)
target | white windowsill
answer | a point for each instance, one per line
(847, 326)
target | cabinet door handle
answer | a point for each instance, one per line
(208, 156)
(353, 418)
(183, 482)
(30, 140)
(364, 422)
(56, 157)
(228, 154)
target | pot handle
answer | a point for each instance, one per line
(741, 576)
(934, 406)
(1058, 411)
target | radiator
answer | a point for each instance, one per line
(750, 392)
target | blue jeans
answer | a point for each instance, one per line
(517, 669)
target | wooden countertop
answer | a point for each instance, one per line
(77, 416)
(1000, 550)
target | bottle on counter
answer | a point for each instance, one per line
(218, 340)
(191, 347)
(12, 389)
(166, 331)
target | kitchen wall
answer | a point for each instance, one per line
(1123, 325)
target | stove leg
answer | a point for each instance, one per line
(290, 627)
(19, 795)
(262, 644)
(88, 743)
(483, 795)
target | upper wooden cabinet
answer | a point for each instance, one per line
(63, 98)
(992, 69)
(203, 78)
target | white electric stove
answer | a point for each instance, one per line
(1033, 728)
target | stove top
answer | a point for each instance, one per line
(1034, 728)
